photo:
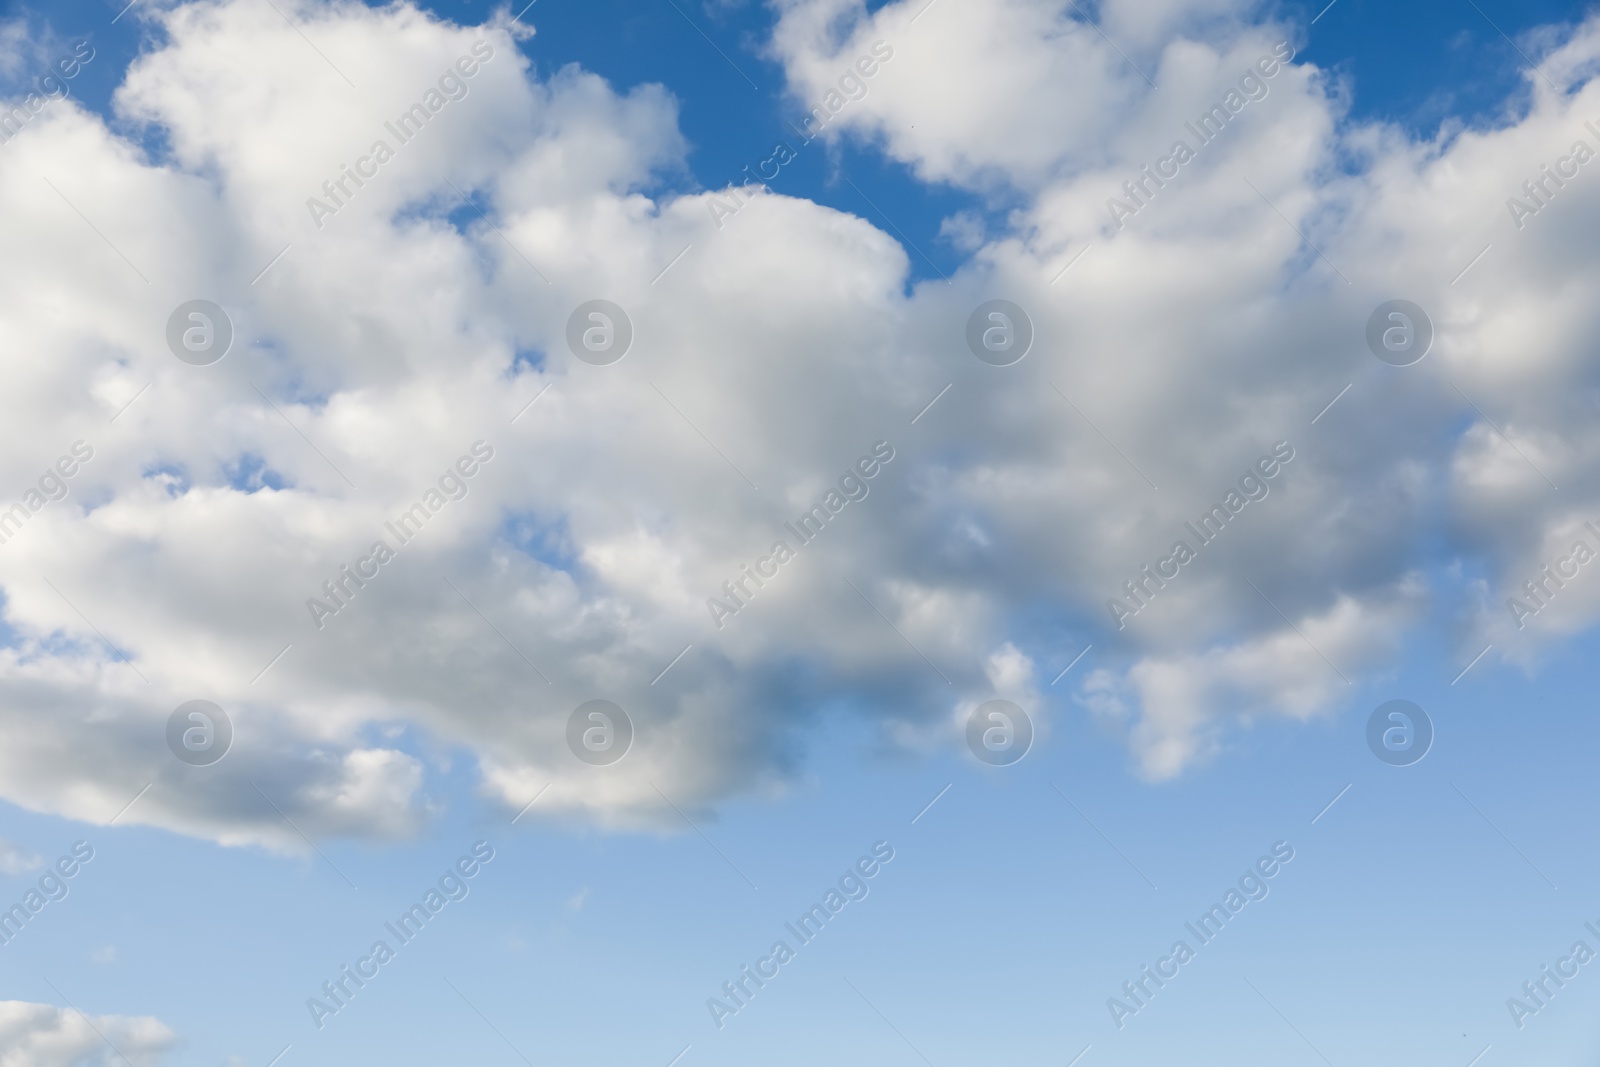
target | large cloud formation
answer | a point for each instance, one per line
(385, 326)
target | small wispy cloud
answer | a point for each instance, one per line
(17, 860)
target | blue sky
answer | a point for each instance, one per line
(1017, 903)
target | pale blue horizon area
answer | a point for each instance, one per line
(1002, 926)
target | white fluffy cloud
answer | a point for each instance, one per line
(39, 1035)
(430, 310)
(1204, 326)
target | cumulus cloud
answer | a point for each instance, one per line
(421, 329)
(39, 1035)
(1297, 673)
(1228, 308)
